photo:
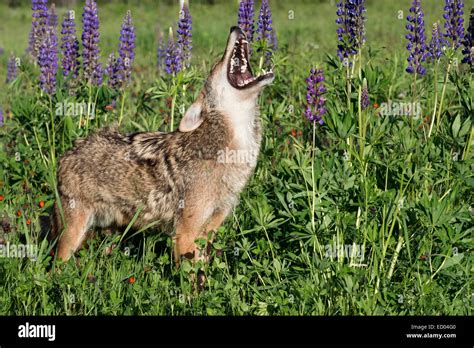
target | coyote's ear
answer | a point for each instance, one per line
(192, 118)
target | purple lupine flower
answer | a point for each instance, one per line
(172, 56)
(126, 47)
(160, 53)
(38, 25)
(245, 18)
(48, 60)
(435, 47)
(264, 29)
(468, 42)
(31, 42)
(69, 46)
(364, 98)
(453, 14)
(315, 109)
(11, 68)
(114, 71)
(184, 40)
(1, 117)
(53, 16)
(264, 23)
(416, 39)
(351, 28)
(90, 43)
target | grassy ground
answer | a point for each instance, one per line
(374, 181)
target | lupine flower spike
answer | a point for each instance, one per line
(11, 68)
(127, 46)
(364, 99)
(416, 39)
(468, 42)
(48, 61)
(264, 29)
(69, 46)
(453, 15)
(245, 18)
(351, 28)
(315, 99)
(1, 117)
(53, 16)
(90, 43)
(172, 55)
(184, 31)
(114, 72)
(435, 47)
(161, 52)
(38, 25)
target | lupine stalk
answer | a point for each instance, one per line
(315, 99)
(69, 46)
(127, 47)
(453, 15)
(1, 117)
(11, 68)
(48, 61)
(435, 52)
(245, 18)
(184, 31)
(90, 42)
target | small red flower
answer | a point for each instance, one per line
(18, 213)
(1, 198)
(293, 132)
(131, 280)
(41, 204)
(109, 107)
(376, 106)
(28, 222)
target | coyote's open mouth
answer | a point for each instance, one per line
(239, 72)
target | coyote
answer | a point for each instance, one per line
(186, 179)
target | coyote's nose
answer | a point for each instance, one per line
(234, 28)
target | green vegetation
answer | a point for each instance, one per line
(371, 180)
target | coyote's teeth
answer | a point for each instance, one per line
(245, 41)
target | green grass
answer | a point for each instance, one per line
(378, 182)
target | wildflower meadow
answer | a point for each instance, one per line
(362, 202)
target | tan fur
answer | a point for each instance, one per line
(175, 178)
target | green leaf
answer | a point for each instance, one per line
(456, 126)
(453, 260)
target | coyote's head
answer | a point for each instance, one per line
(231, 85)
